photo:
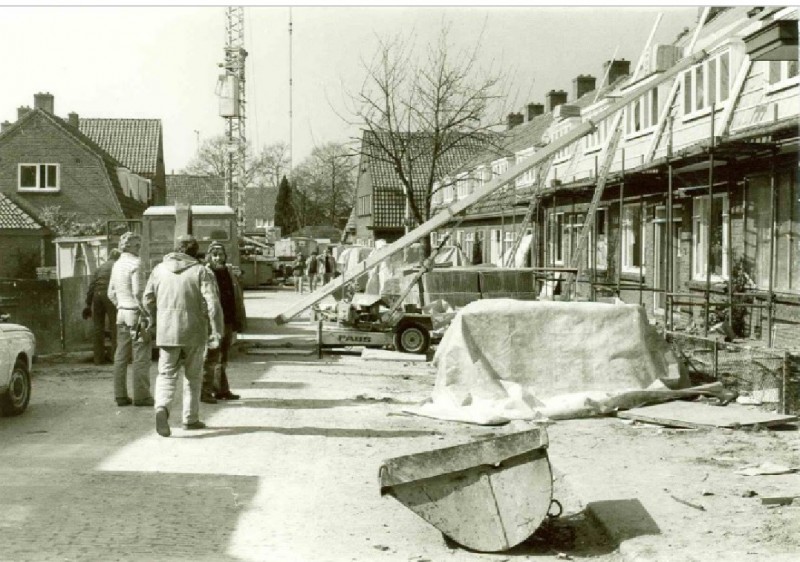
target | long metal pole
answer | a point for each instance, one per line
(620, 240)
(641, 250)
(594, 244)
(668, 261)
(773, 229)
(709, 216)
(447, 214)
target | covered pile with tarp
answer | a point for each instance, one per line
(504, 359)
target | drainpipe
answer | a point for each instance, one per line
(619, 238)
(773, 230)
(669, 265)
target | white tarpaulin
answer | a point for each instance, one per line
(503, 359)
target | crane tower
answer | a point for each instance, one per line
(233, 108)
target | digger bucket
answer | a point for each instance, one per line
(488, 495)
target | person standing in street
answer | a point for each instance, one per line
(215, 377)
(101, 310)
(181, 295)
(299, 272)
(328, 266)
(132, 322)
(312, 269)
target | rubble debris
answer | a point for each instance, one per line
(767, 468)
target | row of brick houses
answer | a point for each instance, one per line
(714, 149)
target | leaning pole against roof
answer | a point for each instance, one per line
(447, 214)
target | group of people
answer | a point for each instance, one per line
(191, 309)
(316, 269)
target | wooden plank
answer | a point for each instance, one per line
(696, 415)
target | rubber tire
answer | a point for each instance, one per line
(417, 333)
(16, 399)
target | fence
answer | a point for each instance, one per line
(51, 310)
(768, 377)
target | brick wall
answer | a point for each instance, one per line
(85, 186)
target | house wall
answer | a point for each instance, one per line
(86, 189)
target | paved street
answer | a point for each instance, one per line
(290, 472)
(287, 473)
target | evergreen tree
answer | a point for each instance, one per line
(284, 211)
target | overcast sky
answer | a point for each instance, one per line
(159, 62)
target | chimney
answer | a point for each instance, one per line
(618, 69)
(22, 111)
(515, 119)
(534, 109)
(554, 99)
(44, 101)
(581, 85)
(4, 125)
(73, 119)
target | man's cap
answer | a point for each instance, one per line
(127, 240)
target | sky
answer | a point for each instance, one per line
(162, 62)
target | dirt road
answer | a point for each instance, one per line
(290, 473)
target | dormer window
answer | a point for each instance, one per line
(706, 84)
(782, 74)
(39, 177)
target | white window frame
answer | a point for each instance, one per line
(38, 188)
(557, 242)
(434, 239)
(628, 239)
(462, 186)
(707, 69)
(495, 246)
(784, 80)
(499, 167)
(642, 115)
(700, 237)
(529, 176)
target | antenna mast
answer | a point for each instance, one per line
(291, 123)
(233, 108)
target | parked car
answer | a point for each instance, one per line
(17, 348)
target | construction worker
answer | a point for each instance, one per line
(101, 310)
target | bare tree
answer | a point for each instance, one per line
(270, 165)
(427, 119)
(325, 179)
(211, 158)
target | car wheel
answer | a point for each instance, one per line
(412, 338)
(16, 399)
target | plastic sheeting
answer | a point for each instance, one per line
(504, 359)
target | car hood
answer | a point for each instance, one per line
(10, 328)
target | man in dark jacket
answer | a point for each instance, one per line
(102, 311)
(182, 298)
(215, 378)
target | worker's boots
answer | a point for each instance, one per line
(223, 388)
(207, 390)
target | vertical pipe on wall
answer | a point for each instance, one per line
(731, 184)
(593, 258)
(642, 252)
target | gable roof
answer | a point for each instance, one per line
(129, 206)
(387, 190)
(13, 216)
(134, 142)
(197, 190)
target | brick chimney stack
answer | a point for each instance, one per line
(581, 85)
(44, 101)
(555, 98)
(534, 109)
(73, 119)
(22, 111)
(618, 69)
(515, 119)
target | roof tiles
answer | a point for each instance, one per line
(134, 142)
(12, 216)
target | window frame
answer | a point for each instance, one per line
(708, 70)
(784, 80)
(628, 240)
(40, 167)
(700, 237)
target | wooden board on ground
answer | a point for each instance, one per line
(693, 414)
(387, 355)
(279, 351)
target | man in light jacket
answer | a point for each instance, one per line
(181, 296)
(133, 339)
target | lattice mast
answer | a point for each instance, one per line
(236, 118)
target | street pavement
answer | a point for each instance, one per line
(287, 473)
(290, 471)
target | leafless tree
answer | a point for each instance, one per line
(325, 182)
(211, 158)
(265, 169)
(428, 118)
(270, 164)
